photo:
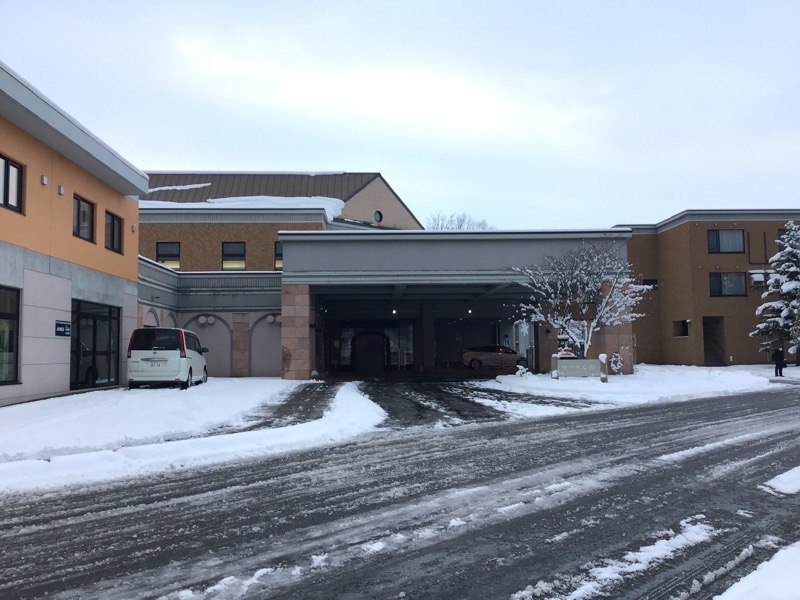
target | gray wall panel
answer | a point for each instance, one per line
(337, 252)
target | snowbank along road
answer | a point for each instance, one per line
(661, 501)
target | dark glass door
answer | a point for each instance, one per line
(95, 345)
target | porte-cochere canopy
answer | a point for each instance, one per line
(413, 299)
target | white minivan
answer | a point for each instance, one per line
(165, 355)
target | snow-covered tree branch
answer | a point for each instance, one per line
(780, 314)
(582, 291)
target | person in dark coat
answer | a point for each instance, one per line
(780, 361)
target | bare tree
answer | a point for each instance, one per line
(582, 291)
(439, 221)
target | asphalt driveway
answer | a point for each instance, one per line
(408, 403)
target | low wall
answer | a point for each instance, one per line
(576, 367)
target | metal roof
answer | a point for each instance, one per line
(175, 186)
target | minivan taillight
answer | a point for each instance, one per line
(183, 344)
(130, 344)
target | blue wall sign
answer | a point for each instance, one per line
(63, 328)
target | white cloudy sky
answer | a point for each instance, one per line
(525, 113)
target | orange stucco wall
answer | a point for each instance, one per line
(45, 225)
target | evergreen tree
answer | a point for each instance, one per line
(780, 313)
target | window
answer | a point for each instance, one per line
(233, 256)
(83, 219)
(169, 254)
(727, 284)
(725, 241)
(758, 278)
(779, 239)
(9, 334)
(10, 184)
(680, 328)
(279, 256)
(378, 216)
(113, 232)
(651, 282)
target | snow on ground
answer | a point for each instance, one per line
(107, 420)
(650, 383)
(104, 435)
(693, 531)
(101, 435)
(772, 580)
(38, 451)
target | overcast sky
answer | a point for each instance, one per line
(528, 114)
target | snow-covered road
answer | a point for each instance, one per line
(662, 500)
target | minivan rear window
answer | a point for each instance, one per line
(155, 339)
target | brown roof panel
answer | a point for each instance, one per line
(199, 187)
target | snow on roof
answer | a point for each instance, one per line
(192, 186)
(332, 206)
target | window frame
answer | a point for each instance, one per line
(717, 288)
(233, 259)
(78, 203)
(680, 328)
(13, 340)
(6, 166)
(114, 232)
(715, 242)
(167, 258)
(278, 253)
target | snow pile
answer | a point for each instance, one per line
(772, 580)
(786, 483)
(112, 418)
(350, 414)
(650, 383)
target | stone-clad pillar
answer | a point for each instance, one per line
(297, 332)
(240, 345)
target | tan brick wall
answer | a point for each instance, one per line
(683, 267)
(201, 243)
(643, 256)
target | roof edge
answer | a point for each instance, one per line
(746, 214)
(612, 233)
(30, 110)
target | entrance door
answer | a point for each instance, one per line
(714, 342)
(369, 352)
(95, 345)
